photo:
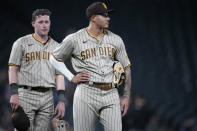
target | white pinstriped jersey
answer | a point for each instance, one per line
(32, 58)
(93, 56)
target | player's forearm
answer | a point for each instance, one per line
(127, 89)
(61, 67)
(60, 85)
(12, 73)
(13, 79)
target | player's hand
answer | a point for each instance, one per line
(60, 110)
(124, 105)
(14, 102)
(81, 77)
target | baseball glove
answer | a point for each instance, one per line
(20, 120)
(118, 75)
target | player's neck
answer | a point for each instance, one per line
(42, 38)
(96, 31)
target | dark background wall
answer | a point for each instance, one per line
(160, 38)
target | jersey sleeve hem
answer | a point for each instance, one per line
(10, 64)
(127, 67)
(56, 58)
(58, 74)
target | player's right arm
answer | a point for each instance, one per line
(13, 80)
(61, 53)
(14, 65)
(60, 87)
(61, 67)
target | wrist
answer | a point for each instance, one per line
(126, 95)
(13, 88)
(70, 77)
(61, 95)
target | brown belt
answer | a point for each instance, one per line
(102, 86)
(39, 89)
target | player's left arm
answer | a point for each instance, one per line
(127, 88)
(60, 87)
(121, 55)
(125, 99)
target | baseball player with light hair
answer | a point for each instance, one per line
(94, 50)
(32, 77)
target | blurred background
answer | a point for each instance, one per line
(161, 40)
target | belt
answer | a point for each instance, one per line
(102, 86)
(39, 89)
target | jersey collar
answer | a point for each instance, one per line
(43, 43)
(104, 32)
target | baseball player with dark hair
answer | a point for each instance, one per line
(94, 50)
(32, 77)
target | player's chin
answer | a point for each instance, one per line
(45, 32)
(106, 26)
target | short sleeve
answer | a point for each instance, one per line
(65, 49)
(121, 54)
(16, 54)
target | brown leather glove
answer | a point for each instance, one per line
(119, 75)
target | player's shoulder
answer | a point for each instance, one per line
(74, 36)
(113, 35)
(53, 41)
(68, 37)
(78, 33)
(22, 40)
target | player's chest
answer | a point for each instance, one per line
(89, 49)
(33, 52)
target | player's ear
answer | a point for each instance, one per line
(33, 23)
(93, 18)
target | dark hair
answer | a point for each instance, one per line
(38, 12)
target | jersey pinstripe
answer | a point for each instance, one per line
(93, 56)
(32, 58)
(91, 104)
(97, 58)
